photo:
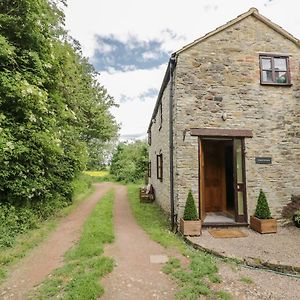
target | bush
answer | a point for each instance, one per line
(130, 162)
(17, 220)
(14, 221)
(262, 210)
(190, 211)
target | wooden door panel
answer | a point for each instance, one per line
(214, 177)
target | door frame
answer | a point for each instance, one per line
(201, 203)
(237, 186)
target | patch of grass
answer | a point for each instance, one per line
(246, 280)
(223, 295)
(195, 279)
(84, 265)
(152, 219)
(30, 239)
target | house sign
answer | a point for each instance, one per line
(263, 160)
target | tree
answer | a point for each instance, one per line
(190, 210)
(262, 210)
(130, 161)
(51, 105)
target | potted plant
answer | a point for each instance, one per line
(296, 218)
(190, 223)
(262, 221)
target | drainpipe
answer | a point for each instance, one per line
(171, 141)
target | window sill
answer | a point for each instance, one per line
(276, 84)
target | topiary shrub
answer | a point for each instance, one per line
(190, 210)
(262, 210)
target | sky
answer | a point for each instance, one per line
(129, 43)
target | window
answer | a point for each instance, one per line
(149, 137)
(274, 70)
(159, 166)
(160, 115)
(149, 169)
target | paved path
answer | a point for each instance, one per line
(43, 259)
(280, 250)
(134, 277)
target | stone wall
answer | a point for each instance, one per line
(160, 144)
(221, 75)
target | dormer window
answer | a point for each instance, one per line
(274, 70)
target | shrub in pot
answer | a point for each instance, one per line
(190, 223)
(262, 220)
(296, 218)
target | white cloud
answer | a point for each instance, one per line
(105, 48)
(150, 55)
(127, 88)
(132, 83)
(134, 115)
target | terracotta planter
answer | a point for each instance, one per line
(192, 228)
(263, 225)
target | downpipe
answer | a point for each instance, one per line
(171, 144)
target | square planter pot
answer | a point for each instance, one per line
(192, 228)
(263, 225)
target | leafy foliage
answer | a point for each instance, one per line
(130, 161)
(13, 222)
(51, 106)
(18, 220)
(297, 216)
(190, 211)
(100, 154)
(262, 210)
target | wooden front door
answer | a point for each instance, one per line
(214, 177)
(222, 177)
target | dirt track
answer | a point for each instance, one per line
(134, 277)
(43, 259)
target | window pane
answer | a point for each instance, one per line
(240, 203)
(267, 76)
(266, 63)
(280, 64)
(239, 161)
(280, 77)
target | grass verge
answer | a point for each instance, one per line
(202, 272)
(27, 241)
(84, 263)
(152, 219)
(246, 280)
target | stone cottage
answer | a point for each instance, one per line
(227, 123)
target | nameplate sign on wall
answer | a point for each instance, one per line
(263, 160)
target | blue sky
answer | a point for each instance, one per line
(129, 42)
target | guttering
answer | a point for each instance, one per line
(171, 67)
